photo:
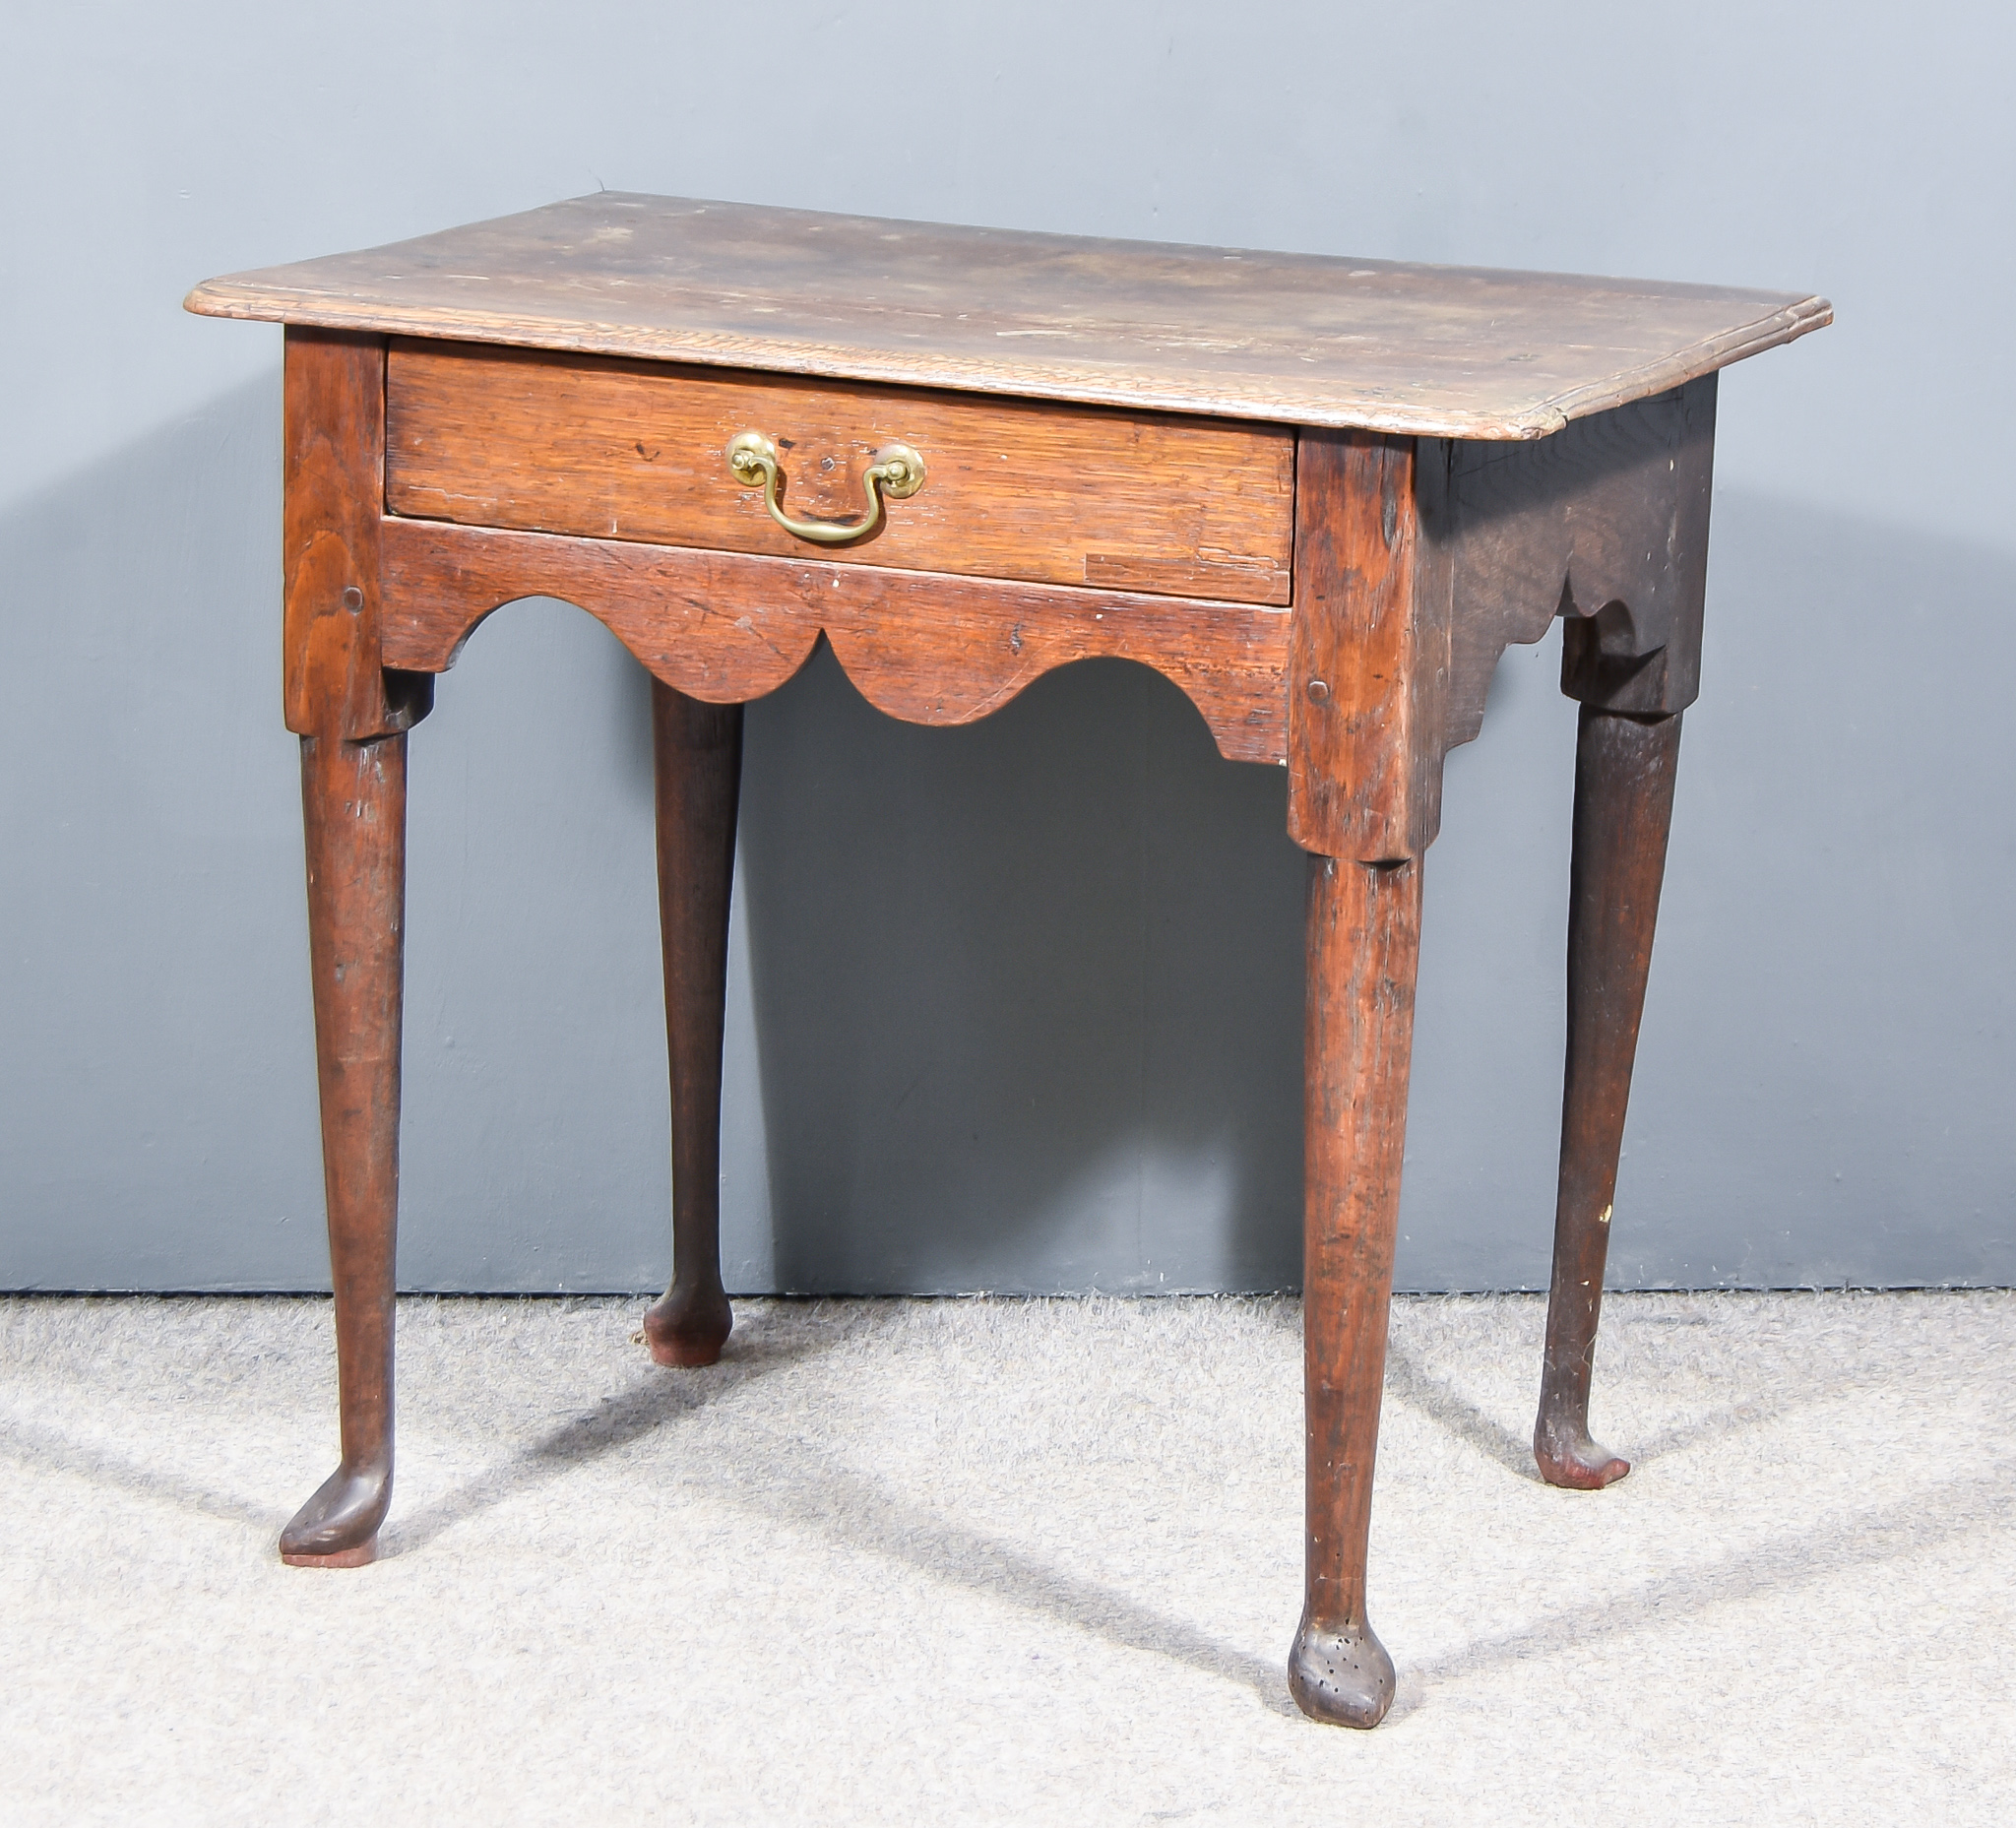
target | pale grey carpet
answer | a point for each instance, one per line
(980, 1561)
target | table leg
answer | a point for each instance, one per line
(1623, 809)
(698, 748)
(1364, 940)
(353, 806)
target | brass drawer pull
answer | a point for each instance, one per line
(897, 470)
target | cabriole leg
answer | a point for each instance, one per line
(1623, 809)
(698, 749)
(1364, 941)
(354, 806)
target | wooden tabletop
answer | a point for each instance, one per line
(1303, 339)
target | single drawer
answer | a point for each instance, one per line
(1022, 489)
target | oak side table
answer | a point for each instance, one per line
(1321, 495)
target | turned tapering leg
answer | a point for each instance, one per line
(1624, 810)
(1364, 940)
(698, 748)
(354, 806)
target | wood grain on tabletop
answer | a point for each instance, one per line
(1308, 340)
(1055, 494)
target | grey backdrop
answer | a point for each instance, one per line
(1017, 1006)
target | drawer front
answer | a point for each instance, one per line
(618, 450)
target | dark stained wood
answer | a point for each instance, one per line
(1604, 524)
(1367, 658)
(334, 683)
(353, 808)
(351, 715)
(1305, 339)
(698, 758)
(727, 627)
(496, 437)
(1624, 768)
(1473, 454)
(1367, 676)
(1364, 941)
(1418, 561)
(1638, 583)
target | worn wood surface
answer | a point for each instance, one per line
(353, 811)
(697, 751)
(931, 648)
(1364, 943)
(1605, 524)
(1637, 584)
(1369, 656)
(1307, 339)
(1419, 561)
(1624, 768)
(350, 714)
(334, 684)
(1046, 493)
(1477, 453)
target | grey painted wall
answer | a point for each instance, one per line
(1016, 1006)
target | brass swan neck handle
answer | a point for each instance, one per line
(898, 472)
